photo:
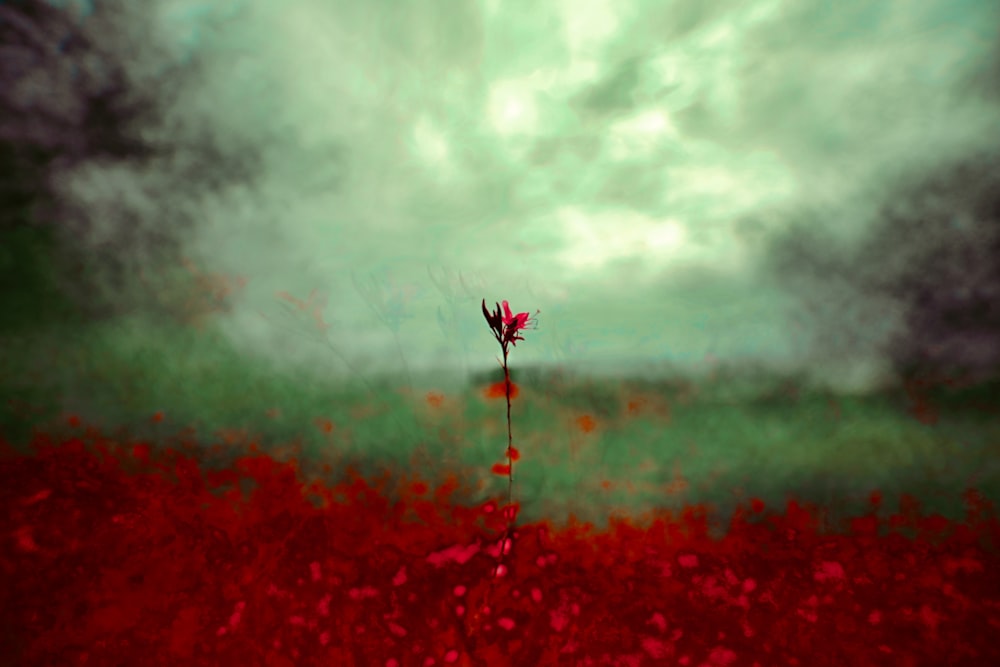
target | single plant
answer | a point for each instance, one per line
(506, 329)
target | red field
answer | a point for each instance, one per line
(122, 554)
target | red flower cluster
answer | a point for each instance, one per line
(116, 555)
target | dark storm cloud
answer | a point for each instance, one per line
(919, 287)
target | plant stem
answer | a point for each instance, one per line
(510, 444)
(509, 509)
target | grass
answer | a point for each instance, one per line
(589, 447)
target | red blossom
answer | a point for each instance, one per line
(507, 327)
(112, 556)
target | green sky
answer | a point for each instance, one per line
(620, 166)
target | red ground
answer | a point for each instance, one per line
(117, 555)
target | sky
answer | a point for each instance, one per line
(621, 167)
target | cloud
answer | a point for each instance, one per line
(621, 156)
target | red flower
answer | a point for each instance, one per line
(519, 321)
(513, 324)
(506, 328)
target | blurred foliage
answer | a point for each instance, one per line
(29, 297)
(651, 435)
(108, 87)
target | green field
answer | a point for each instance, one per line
(657, 444)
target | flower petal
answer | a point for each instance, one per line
(507, 315)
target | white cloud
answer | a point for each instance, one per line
(398, 138)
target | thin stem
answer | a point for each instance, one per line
(509, 509)
(510, 444)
